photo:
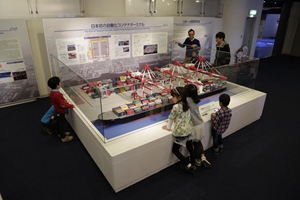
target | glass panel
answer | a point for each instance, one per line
(134, 94)
(236, 68)
(82, 92)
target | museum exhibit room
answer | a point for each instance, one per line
(109, 126)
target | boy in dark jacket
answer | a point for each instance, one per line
(222, 50)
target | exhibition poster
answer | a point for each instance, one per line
(104, 47)
(17, 76)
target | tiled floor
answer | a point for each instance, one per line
(264, 47)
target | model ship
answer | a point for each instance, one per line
(150, 89)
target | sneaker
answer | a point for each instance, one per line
(193, 167)
(185, 168)
(221, 147)
(48, 131)
(67, 133)
(67, 139)
(198, 162)
(216, 151)
(205, 162)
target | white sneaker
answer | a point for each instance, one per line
(198, 162)
(205, 162)
(67, 133)
(67, 139)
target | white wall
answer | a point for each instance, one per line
(14, 9)
(234, 19)
(39, 54)
(105, 8)
(40, 8)
(255, 5)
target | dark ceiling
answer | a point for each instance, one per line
(276, 3)
(274, 6)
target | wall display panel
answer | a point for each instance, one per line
(204, 32)
(17, 75)
(95, 47)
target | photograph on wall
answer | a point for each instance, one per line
(71, 47)
(12, 71)
(119, 46)
(149, 43)
(125, 49)
(17, 75)
(123, 43)
(150, 49)
(72, 55)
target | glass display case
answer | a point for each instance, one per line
(122, 96)
(122, 104)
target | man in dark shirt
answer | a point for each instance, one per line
(191, 44)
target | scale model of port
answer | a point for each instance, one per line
(149, 90)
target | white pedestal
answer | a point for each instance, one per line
(144, 152)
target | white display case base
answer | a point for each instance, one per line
(135, 156)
